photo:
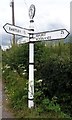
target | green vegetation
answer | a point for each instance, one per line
(53, 80)
(0, 64)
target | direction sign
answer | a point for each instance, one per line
(9, 28)
(23, 40)
(51, 35)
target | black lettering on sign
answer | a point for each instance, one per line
(43, 34)
(40, 35)
(24, 32)
(49, 37)
(15, 30)
(62, 32)
(37, 35)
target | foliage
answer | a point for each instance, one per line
(16, 58)
(48, 105)
(16, 88)
(0, 64)
(53, 75)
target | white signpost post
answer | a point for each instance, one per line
(31, 58)
(32, 37)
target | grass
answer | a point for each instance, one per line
(34, 113)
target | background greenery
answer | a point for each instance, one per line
(53, 79)
(0, 64)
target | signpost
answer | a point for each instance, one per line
(23, 40)
(16, 30)
(32, 11)
(31, 58)
(46, 36)
(51, 35)
(32, 37)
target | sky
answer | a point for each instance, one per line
(49, 15)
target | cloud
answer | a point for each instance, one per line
(6, 39)
(50, 14)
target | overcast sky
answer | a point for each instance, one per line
(50, 14)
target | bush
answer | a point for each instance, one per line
(53, 66)
(48, 105)
(16, 89)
